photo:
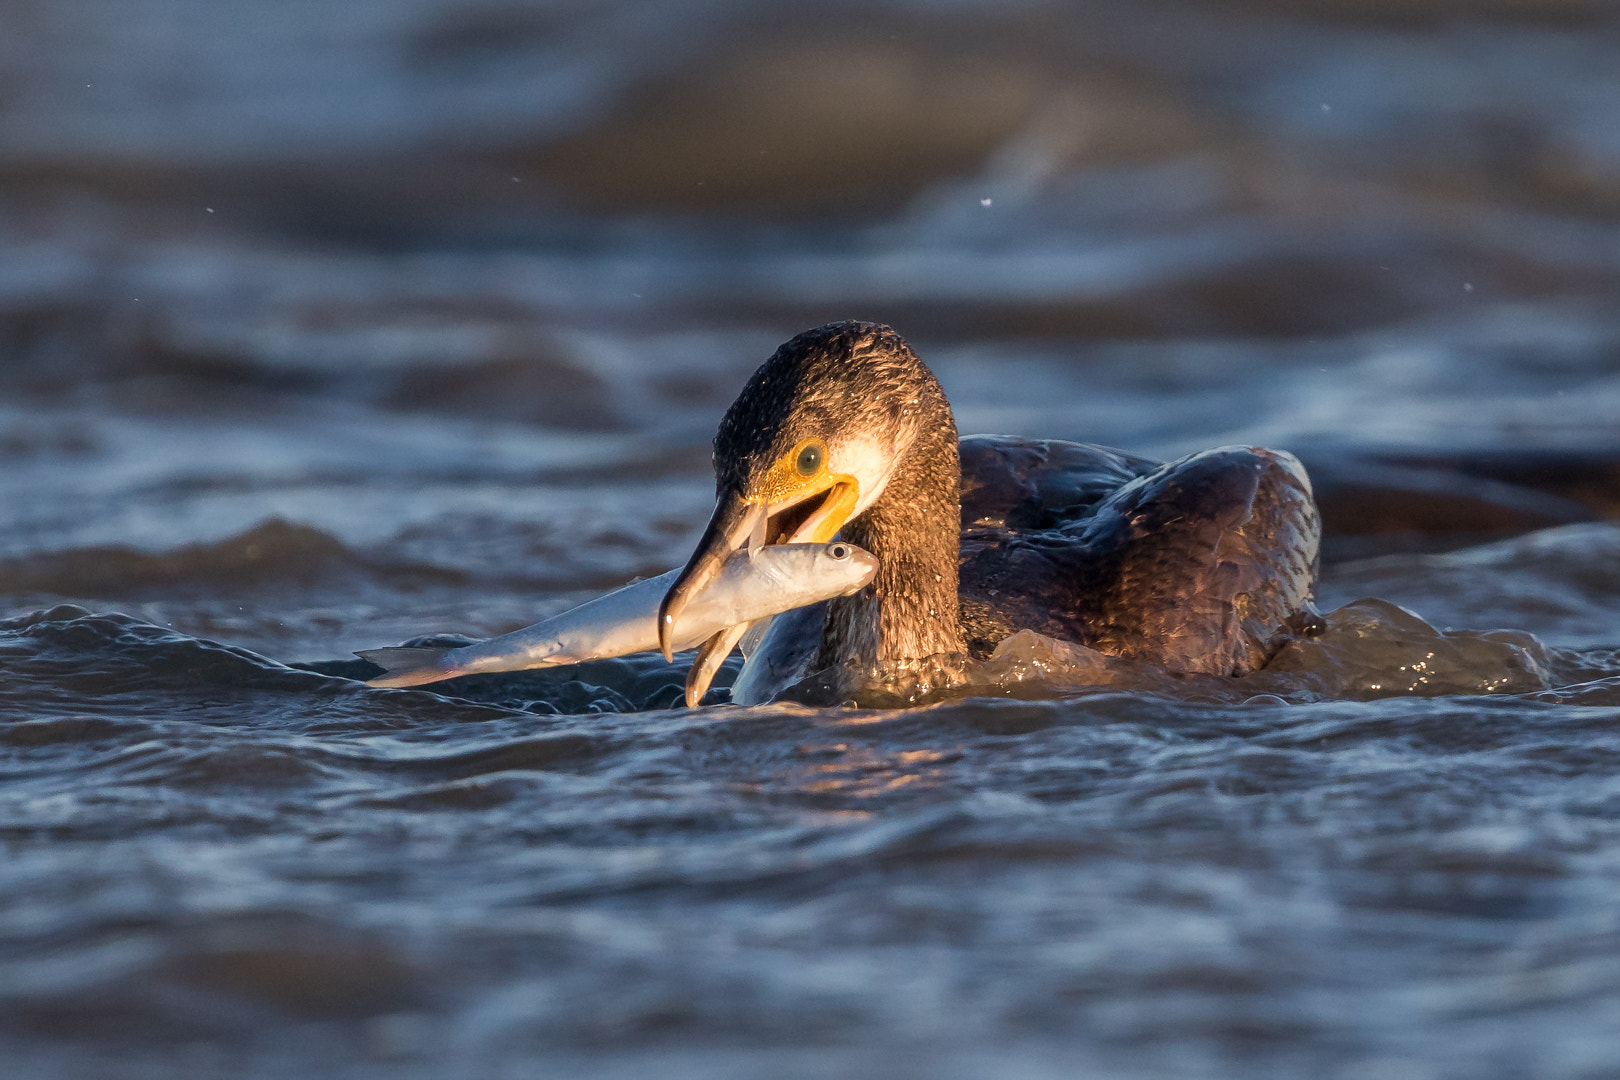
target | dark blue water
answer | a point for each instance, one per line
(324, 326)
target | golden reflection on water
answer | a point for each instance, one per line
(865, 772)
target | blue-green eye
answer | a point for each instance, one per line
(809, 462)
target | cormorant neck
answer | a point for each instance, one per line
(914, 528)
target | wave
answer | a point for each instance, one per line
(1562, 584)
(272, 552)
(64, 657)
(1365, 650)
(69, 665)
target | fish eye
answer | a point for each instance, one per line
(838, 551)
(809, 460)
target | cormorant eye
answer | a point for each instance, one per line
(809, 460)
(839, 552)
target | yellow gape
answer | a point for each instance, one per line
(799, 475)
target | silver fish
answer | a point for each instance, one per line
(751, 587)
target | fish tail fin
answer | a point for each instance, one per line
(407, 666)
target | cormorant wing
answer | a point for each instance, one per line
(1195, 566)
(1019, 483)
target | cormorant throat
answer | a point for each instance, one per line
(910, 610)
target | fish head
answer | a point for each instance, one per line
(833, 569)
(785, 576)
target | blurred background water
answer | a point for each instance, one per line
(324, 325)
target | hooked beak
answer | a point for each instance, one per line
(811, 514)
(734, 522)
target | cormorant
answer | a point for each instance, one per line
(1198, 565)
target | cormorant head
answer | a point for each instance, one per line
(809, 443)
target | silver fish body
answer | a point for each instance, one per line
(751, 587)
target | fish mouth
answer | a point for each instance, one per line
(811, 514)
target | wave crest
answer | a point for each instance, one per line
(274, 551)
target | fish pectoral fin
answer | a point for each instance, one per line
(754, 635)
(406, 666)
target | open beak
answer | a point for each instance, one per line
(812, 514)
(733, 523)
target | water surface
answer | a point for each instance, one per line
(323, 327)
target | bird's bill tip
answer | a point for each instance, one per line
(734, 521)
(741, 519)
